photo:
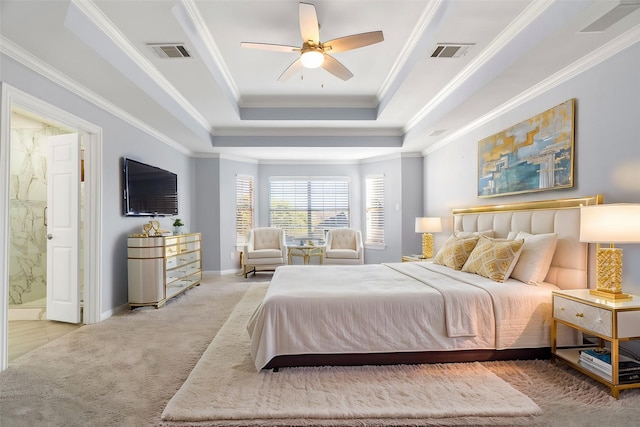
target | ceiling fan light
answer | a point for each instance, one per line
(312, 59)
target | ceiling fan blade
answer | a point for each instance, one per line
(272, 47)
(309, 24)
(294, 68)
(353, 42)
(333, 66)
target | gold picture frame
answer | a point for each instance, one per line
(534, 155)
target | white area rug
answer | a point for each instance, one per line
(225, 389)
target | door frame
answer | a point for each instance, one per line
(92, 138)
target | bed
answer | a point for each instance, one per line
(429, 312)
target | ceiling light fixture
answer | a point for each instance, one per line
(312, 57)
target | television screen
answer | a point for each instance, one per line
(149, 190)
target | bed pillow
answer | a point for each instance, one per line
(536, 256)
(455, 251)
(494, 259)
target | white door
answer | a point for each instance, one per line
(63, 228)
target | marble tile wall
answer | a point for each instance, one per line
(27, 203)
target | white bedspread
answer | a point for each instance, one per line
(394, 308)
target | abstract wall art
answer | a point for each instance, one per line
(533, 155)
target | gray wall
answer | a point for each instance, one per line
(412, 200)
(120, 139)
(607, 149)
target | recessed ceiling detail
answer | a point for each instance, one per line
(613, 16)
(451, 50)
(170, 50)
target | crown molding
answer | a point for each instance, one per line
(585, 63)
(104, 24)
(530, 14)
(15, 52)
(408, 50)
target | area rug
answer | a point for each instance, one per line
(225, 389)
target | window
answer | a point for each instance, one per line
(306, 207)
(244, 207)
(374, 187)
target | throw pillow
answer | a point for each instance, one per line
(494, 259)
(536, 256)
(455, 251)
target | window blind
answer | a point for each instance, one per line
(244, 207)
(374, 188)
(306, 207)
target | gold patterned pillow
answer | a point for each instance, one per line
(494, 259)
(455, 251)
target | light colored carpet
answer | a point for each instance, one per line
(124, 371)
(225, 387)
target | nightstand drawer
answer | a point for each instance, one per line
(587, 317)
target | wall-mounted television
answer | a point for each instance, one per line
(148, 190)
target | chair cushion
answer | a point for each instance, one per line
(264, 261)
(343, 239)
(268, 238)
(341, 253)
(265, 253)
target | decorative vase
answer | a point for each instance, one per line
(177, 230)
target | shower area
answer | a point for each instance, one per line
(28, 216)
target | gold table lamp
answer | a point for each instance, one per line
(610, 223)
(426, 226)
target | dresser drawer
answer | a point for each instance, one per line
(589, 318)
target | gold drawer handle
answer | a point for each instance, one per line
(579, 315)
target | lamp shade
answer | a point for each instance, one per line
(428, 225)
(610, 223)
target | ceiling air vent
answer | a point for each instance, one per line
(451, 50)
(170, 50)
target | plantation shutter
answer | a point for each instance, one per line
(374, 187)
(307, 207)
(244, 207)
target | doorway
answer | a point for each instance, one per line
(14, 100)
(29, 213)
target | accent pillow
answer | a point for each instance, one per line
(536, 256)
(455, 252)
(494, 259)
(466, 234)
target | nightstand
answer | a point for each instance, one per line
(414, 258)
(609, 321)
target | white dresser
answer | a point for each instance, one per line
(160, 268)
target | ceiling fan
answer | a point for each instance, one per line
(313, 53)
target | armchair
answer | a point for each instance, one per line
(265, 249)
(344, 246)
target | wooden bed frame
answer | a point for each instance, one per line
(567, 272)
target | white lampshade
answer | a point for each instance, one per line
(312, 58)
(610, 223)
(428, 225)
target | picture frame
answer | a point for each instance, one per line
(534, 155)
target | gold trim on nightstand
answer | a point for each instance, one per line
(609, 321)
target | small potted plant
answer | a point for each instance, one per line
(177, 226)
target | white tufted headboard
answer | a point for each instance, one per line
(569, 266)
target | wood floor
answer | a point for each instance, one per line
(27, 335)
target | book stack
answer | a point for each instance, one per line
(599, 362)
